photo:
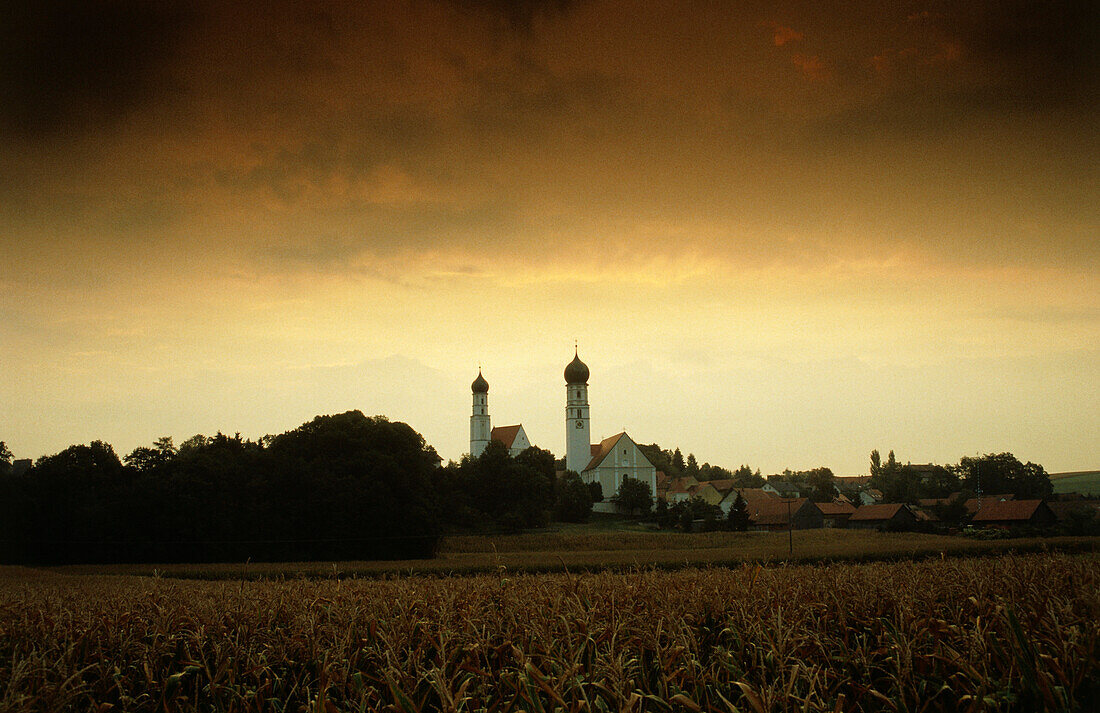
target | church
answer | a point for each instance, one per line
(606, 462)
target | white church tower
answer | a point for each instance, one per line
(578, 431)
(479, 420)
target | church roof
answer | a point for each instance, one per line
(480, 385)
(604, 447)
(577, 371)
(505, 434)
(599, 452)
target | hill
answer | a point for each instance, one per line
(1086, 482)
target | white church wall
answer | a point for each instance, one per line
(520, 444)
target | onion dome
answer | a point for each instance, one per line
(576, 372)
(480, 385)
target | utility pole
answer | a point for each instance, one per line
(790, 532)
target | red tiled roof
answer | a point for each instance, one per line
(505, 434)
(997, 510)
(835, 508)
(884, 511)
(722, 485)
(683, 484)
(599, 452)
(774, 510)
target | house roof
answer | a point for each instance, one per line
(833, 509)
(749, 494)
(722, 485)
(773, 511)
(784, 486)
(683, 484)
(505, 434)
(872, 513)
(1011, 510)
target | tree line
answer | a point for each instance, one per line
(992, 474)
(340, 487)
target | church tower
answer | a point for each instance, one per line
(578, 449)
(479, 421)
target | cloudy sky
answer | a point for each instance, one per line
(783, 233)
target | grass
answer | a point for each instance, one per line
(596, 548)
(1012, 633)
(1084, 482)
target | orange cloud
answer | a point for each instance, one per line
(781, 34)
(812, 66)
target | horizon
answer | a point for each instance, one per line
(783, 234)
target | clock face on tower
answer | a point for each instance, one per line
(580, 424)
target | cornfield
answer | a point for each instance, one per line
(996, 634)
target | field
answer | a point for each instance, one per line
(1084, 482)
(1015, 632)
(619, 547)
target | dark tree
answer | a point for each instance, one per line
(743, 477)
(738, 517)
(572, 499)
(1004, 473)
(823, 483)
(596, 491)
(633, 497)
(144, 458)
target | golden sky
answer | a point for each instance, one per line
(783, 233)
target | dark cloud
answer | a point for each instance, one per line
(83, 65)
(1038, 54)
(520, 14)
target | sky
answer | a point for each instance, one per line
(781, 233)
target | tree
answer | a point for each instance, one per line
(677, 462)
(823, 483)
(596, 491)
(143, 458)
(876, 462)
(513, 493)
(199, 441)
(662, 514)
(633, 497)
(743, 477)
(1004, 473)
(572, 499)
(686, 512)
(954, 511)
(738, 517)
(5, 459)
(692, 466)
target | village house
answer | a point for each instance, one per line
(1011, 513)
(892, 516)
(836, 514)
